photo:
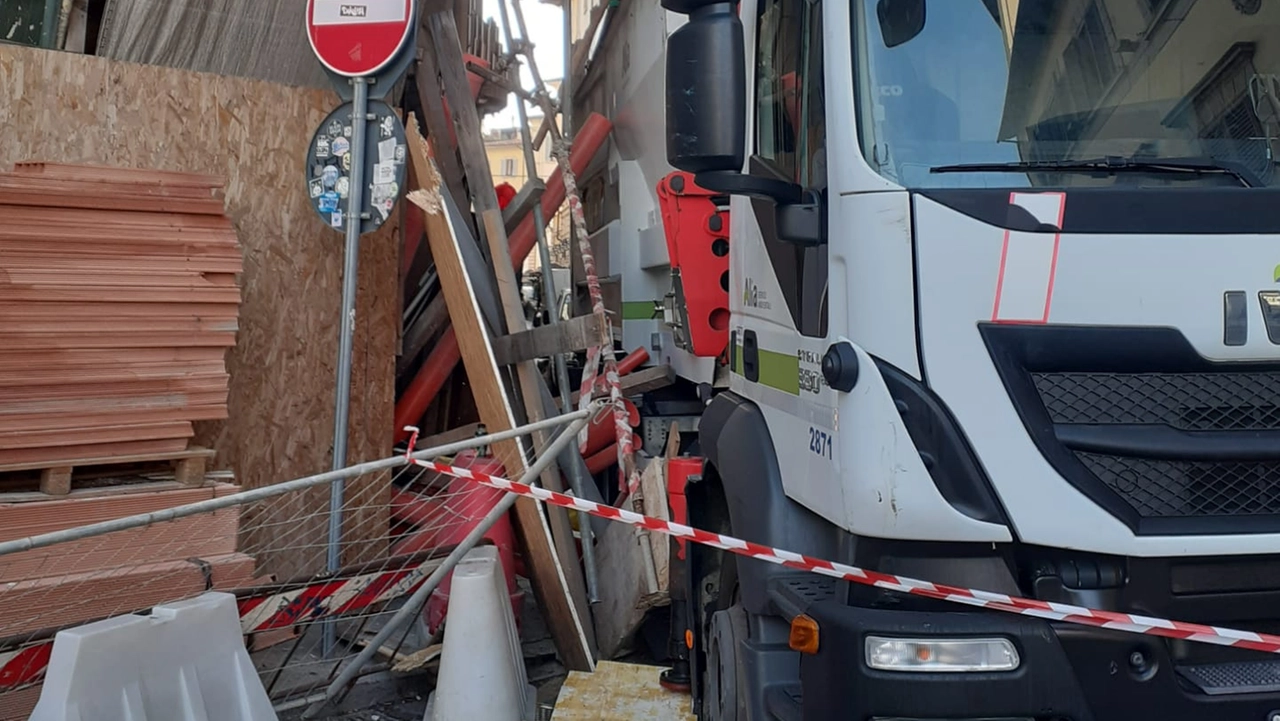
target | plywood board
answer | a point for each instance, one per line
(620, 692)
(80, 109)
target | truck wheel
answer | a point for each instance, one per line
(723, 699)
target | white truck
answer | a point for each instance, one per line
(981, 292)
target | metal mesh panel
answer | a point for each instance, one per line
(235, 550)
(1185, 488)
(1186, 401)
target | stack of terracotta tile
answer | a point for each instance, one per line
(118, 302)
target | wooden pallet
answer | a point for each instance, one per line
(188, 468)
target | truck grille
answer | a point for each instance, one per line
(1169, 489)
(1186, 401)
(1165, 488)
(1162, 438)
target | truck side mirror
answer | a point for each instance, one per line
(706, 92)
(707, 102)
(900, 20)
(706, 107)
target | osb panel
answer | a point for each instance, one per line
(63, 107)
(619, 692)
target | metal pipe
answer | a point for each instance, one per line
(537, 76)
(566, 83)
(414, 604)
(350, 269)
(549, 291)
(216, 504)
(346, 334)
(49, 23)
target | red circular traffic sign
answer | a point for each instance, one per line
(358, 37)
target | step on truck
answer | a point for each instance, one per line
(980, 292)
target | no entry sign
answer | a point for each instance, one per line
(356, 38)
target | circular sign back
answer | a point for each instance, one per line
(355, 38)
(329, 160)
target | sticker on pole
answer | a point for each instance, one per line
(329, 166)
(356, 38)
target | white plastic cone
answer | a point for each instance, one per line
(482, 672)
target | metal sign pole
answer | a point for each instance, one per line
(350, 269)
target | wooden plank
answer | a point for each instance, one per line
(55, 601)
(95, 293)
(485, 200)
(96, 434)
(547, 574)
(439, 124)
(73, 171)
(642, 381)
(194, 384)
(199, 536)
(115, 404)
(31, 514)
(469, 431)
(565, 337)
(122, 201)
(112, 373)
(27, 325)
(523, 204)
(132, 189)
(108, 310)
(88, 357)
(98, 219)
(117, 264)
(69, 421)
(56, 481)
(123, 459)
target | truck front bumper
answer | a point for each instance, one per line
(1067, 673)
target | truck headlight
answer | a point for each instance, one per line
(941, 655)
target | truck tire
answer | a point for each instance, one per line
(723, 699)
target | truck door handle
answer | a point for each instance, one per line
(750, 356)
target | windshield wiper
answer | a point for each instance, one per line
(1114, 164)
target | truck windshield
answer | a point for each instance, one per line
(1070, 92)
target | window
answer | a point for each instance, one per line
(509, 168)
(790, 143)
(790, 117)
(1003, 82)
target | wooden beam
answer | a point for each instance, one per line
(429, 324)
(643, 381)
(437, 121)
(523, 204)
(569, 628)
(467, 432)
(547, 340)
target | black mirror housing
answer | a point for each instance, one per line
(803, 223)
(706, 91)
(900, 20)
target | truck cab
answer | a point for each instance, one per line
(1004, 314)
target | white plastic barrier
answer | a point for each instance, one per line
(482, 674)
(184, 662)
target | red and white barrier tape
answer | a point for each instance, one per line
(1127, 622)
(629, 476)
